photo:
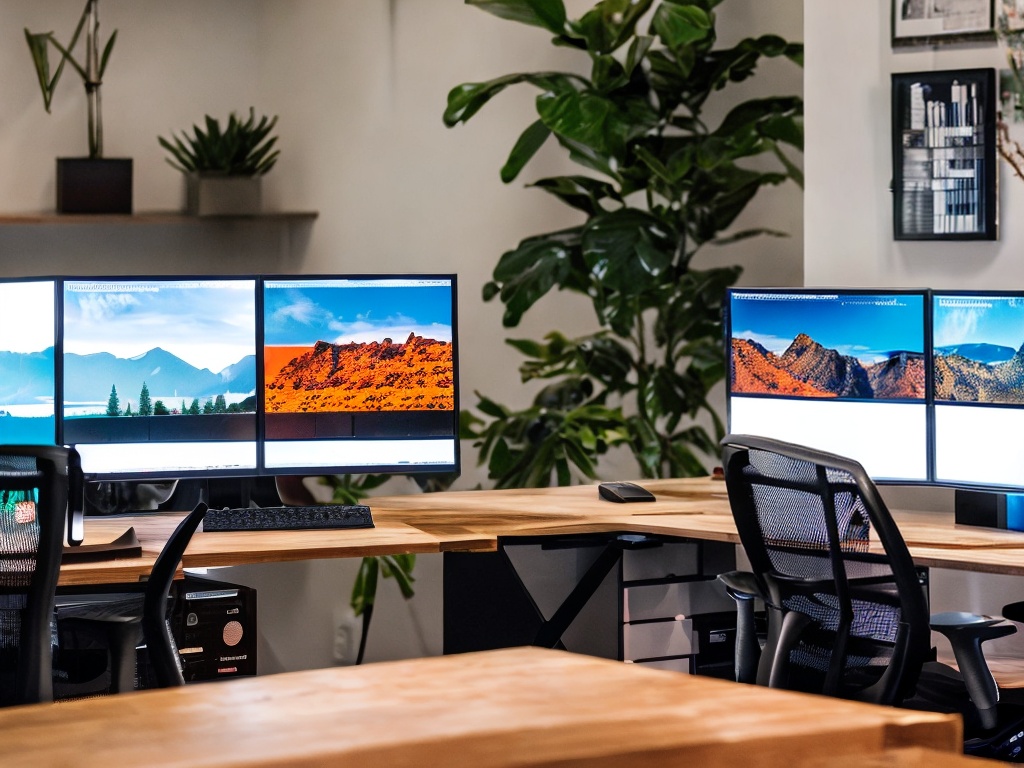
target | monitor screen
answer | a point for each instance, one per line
(27, 380)
(360, 374)
(842, 371)
(979, 387)
(159, 376)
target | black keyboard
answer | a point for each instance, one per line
(317, 516)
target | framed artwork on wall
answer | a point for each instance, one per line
(931, 22)
(944, 155)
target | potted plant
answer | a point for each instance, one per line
(92, 184)
(224, 167)
(660, 180)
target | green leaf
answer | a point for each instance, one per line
(532, 269)
(681, 25)
(465, 100)
(106, 53)
(580, 192)
(547, 14)
(526, 147)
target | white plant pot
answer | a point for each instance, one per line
(207, 195)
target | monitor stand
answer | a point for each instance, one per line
(241, 492)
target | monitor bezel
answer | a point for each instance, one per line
(453, 469)
(925, 295)
(147, 474)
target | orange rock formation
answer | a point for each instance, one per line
(377, 376)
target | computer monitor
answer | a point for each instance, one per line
(360, 374)
(838, 370)
(27, 372)
(159, 375)
(978, 372)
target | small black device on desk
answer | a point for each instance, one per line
(288, 518)
(621, 491)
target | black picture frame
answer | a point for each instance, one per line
(928, 22)
(944, 155)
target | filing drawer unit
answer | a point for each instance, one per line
(659, 603)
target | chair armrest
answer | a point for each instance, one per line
(966, 632)
(742, 587)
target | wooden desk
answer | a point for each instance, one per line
(472, 521)
(514, 707)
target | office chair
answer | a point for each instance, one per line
(847, 615)
(163, 652)
(122, 628)
(33, 508)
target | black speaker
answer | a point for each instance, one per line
(214, 626)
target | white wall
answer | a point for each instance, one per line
(360, 87)
(848, 206)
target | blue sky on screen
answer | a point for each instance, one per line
(207, 323)
(978, 320)
(346, 312)
(24, 327)
(865, 326)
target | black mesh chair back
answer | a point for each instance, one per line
(847, 615)
(33, 509)
(162, 650)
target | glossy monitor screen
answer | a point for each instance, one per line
(159, 376)
(27, 378)
(360, 374)
(979, 388)
(841, 371)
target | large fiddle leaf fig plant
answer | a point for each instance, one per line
(658, 182)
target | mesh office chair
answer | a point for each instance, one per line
(123, 627)
(33, 508)
(847, 615)
(163, 652)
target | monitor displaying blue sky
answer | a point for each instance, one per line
(207, 323)
(866, 326)
(978, 319)
(303, 312)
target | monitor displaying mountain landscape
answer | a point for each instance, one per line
(978, 371)
(27, 382)
(836, 370)
(360, 371)
(159, 375)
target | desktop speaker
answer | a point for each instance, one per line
(214, 626)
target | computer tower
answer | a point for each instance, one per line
(214, 625)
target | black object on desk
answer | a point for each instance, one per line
(124, 546)
(620, 491)
(312, 517)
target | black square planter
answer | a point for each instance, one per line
(100, 185)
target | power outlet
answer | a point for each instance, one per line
(347, 630)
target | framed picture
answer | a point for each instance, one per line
(928, 22)
(944, 155)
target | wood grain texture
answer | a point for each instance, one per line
(513, 707)
(472, 521)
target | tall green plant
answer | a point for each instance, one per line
(659, 184)
(90, 69)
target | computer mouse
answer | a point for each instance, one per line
(620, 491)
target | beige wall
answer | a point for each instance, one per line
(360, 86)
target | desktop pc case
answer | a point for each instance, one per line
(214, 627)
(213, 624)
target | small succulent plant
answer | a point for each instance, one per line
(240, 149)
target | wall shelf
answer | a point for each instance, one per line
(150, 217)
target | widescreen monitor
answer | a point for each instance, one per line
(838, 370)
(978, 388)
(360, 374)
(27, 366)
(159, 376)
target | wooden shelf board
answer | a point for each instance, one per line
(148, 217)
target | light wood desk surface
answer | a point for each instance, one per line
(512, 707)
(474, 520)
